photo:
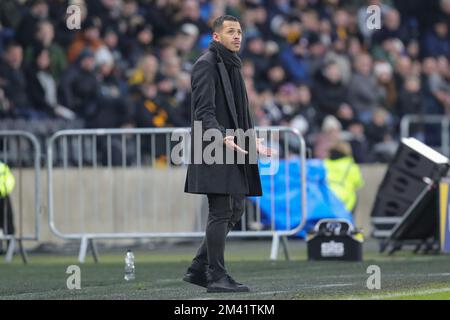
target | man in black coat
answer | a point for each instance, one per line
(220, 104)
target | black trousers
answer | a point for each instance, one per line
(6, 216)
(224, 212)
(6, 220)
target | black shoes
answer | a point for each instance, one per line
(196, 277)
(226, 284)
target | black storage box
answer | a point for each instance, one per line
(335, 239)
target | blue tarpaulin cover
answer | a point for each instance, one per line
(321, 201)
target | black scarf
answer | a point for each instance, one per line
(233, 65)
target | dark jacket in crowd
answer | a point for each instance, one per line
(434, 46)
(157, 113)
(14, 85)
(363, 93)
(328, 96)
(36, 91)
(410, 103)
(376, 133)
(78, 90)
(113, 108)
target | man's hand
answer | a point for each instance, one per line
(64, 112)
(229, 142)
(262, 149)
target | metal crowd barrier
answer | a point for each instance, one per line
(21, 151)
(409, 120)
(124, 184)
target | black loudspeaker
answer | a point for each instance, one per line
(401, 185)
(418, 160)
(420, 220)
(387, 212)
(389, 205)
(408, 186)
(419, 226)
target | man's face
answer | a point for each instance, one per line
(441, 29)
(333, 73)
(14, 57)
(46, 33)
(92, 34)
(40, 10)
(392, 20)
(43, 60)
(230, 35)
(364, 64)
(88, 63)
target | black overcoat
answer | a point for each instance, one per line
(212, 103)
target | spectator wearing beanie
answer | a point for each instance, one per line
(89, 38)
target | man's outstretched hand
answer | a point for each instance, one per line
(229, 142)
(262, 149)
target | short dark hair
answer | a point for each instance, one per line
(217, 24)
(12, 44)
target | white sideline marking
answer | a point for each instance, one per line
(438, 274)
(332, 285)
(306, 287)
(282, 291)
(404, 294)
(168, 280)
(251, 292)
(269, 292)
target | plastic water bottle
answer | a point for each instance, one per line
(129, 266)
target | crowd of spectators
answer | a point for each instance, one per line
(310, 64)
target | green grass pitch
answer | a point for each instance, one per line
(159, 271)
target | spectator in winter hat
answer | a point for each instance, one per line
(89, 37)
